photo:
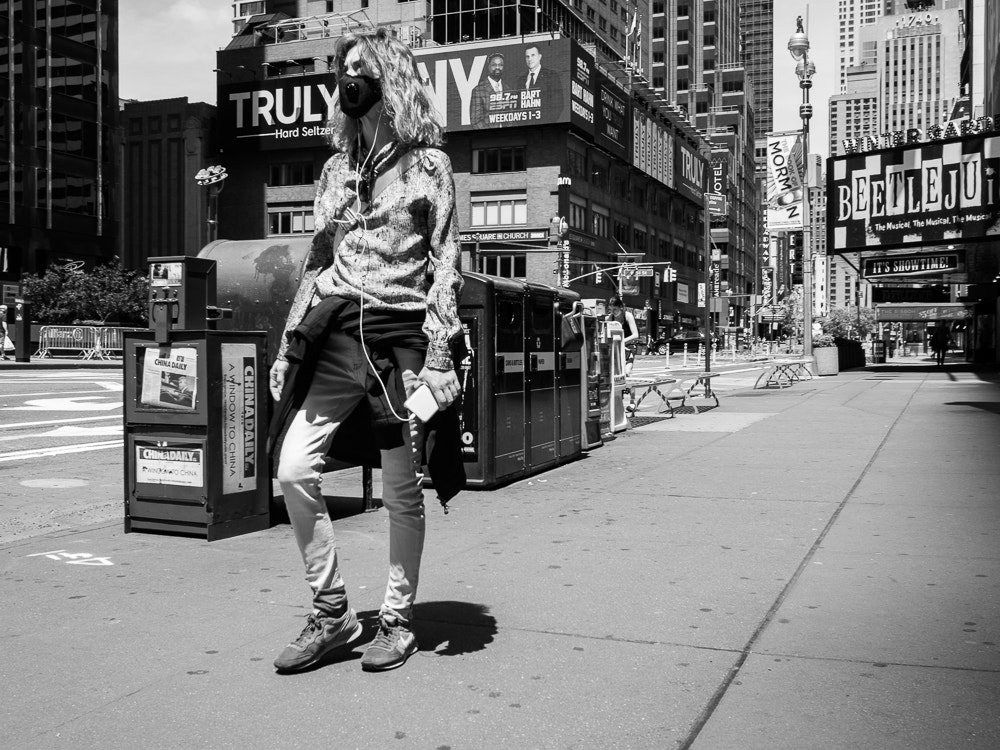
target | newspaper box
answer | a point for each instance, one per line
(195, 433)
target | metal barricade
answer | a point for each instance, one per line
(61, 341)
(109, 341)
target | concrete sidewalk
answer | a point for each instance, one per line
(816, 567)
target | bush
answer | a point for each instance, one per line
(67, 295)
(850, 322)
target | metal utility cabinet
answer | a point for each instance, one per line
(521, 404)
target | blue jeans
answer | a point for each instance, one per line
(336, 389)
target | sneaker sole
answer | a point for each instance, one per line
(387, 667)
(323, 656)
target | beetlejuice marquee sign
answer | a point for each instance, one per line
(924, 194)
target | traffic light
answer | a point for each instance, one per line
(669, 275)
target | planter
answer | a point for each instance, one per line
(827, 360)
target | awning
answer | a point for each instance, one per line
(909, 312)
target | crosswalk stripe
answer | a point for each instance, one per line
(58, 451)
(44, 422)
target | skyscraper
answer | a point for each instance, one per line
(851, 16)
(918, 58)
(59, 133)
(700, 63)
(757, 53)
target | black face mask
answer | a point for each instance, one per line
(358, 94)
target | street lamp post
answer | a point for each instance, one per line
(798, 46)
(214, 179)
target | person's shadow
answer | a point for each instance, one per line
(447, 628)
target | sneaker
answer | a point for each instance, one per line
(320, 637)
(393, 645)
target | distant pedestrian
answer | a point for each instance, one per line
(618, 313)
(940, 343)
(6, 345)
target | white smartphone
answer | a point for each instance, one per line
(422, 403)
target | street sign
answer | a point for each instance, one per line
(772, 313)
(716, 204)
(645, 271)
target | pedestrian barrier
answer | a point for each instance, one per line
(110, 341)
(61, 341)
(82, 342)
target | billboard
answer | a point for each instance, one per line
(611, 117)
(652, 147)
(689, 175)
(923, 264)
(506, 84)
(276, 113)
(942, 192)
(785, 167)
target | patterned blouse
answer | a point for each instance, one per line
(401, 252)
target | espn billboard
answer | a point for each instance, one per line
(930, 194)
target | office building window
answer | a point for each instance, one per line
(601, 221)
(621, 232)
(577, 213)
(72, 193)
(290, 220)
(505, 159)
(576, 163)
(294, 173)
(513, 266)
(499, 209)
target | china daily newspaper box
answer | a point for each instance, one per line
(195, 419)
(511, 409)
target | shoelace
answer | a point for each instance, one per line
(387, 634)
(313, 624)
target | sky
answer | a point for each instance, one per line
(822, 30)
(167, 49)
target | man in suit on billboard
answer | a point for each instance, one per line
(543, 80)
(491, 86)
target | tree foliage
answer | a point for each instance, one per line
(850, 322)
(108, 293)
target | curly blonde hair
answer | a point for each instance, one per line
(412, 114)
